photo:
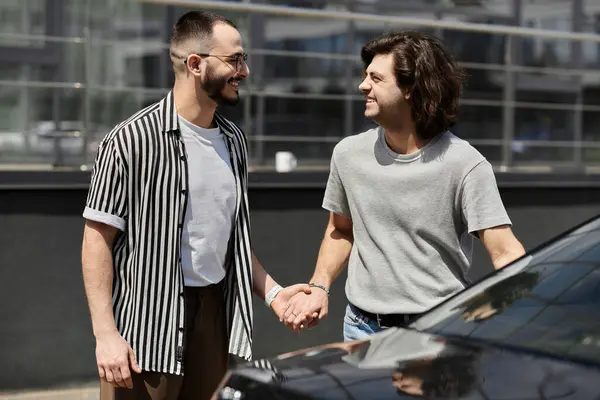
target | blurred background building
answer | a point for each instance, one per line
(72, 69)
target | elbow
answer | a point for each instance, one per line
(346, 235)
(508, 255)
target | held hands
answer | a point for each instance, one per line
(115, 360)
(282, 299)
(305, 310)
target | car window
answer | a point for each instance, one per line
(548, 301)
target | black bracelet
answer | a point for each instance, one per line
(320, 287)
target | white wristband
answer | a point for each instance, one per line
(269, 297)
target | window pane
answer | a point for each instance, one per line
(481, 125)
(282, 73)
(110, 107)
(536, 129)
(122, 64)
(21, 17)
(304, 34)
(11, 119)
(461, 43)
(72, 65)
(590, 152)
(544, 53)
(479, 122)
(591, 92)
(73, 62)
(483, 84)
(53, 128)
(541, 124)
(546, 88)
(303, 117)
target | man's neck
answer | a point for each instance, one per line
(403, 139)
(194, 107)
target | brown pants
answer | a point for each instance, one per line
(204, 357)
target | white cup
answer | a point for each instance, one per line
(285, 161)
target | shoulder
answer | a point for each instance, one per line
(460, 153)
(351, 145)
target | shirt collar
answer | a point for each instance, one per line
(170, 119)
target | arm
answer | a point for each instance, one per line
(114, 356)
(502, 245)
(96, 260)
(105, 213)
(335, 250)
(263, 283)
(485, 216)
(333, 256)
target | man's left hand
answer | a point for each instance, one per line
(281, 301)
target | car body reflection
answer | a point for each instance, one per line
(528, 331)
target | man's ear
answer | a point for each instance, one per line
(194, 64)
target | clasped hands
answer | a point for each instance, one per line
(301, 306)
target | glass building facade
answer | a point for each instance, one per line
(72, 69)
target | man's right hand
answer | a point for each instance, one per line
(115, 360)
(302, 306)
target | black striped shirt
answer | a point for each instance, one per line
(139, 185)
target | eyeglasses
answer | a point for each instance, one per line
(235, 60)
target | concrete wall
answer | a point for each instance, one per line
(45, 334)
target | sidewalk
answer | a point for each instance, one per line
(88, 392)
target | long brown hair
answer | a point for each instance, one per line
(424, 67)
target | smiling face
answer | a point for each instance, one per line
(384, 99)
(220, 73)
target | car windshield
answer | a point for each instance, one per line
(548, 301)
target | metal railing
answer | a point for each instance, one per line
(259, 93)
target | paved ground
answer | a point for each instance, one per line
(89, 392)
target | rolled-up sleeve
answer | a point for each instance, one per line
(107, 196)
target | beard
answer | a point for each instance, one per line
(215, 87)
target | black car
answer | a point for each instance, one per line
(528, 331)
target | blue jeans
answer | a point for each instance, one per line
(357, 326)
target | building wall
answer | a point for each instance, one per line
(45, 334)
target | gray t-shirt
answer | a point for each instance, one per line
(413, 216)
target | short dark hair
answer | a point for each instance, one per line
(196, 24)
(423, 65)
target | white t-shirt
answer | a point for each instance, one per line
(211, 205)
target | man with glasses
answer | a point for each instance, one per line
(167, 262)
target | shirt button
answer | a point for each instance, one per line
(183, 191)
(180, 329)
(182, 158)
